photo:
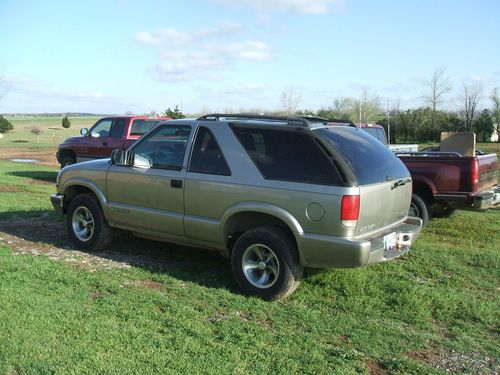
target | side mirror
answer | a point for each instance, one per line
(119, 157)
(84, 131)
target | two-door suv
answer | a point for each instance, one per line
(275, 194)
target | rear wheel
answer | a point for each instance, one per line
(420, 208)
(86, 224)
(265, 263)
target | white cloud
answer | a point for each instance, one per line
(250, 50)
(203, 54)
(162, 37)
(25, 94)
(314, 7)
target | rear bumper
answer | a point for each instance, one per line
(473, 202)
(486, 199)
(327, 252)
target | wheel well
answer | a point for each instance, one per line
(64, 153)
(243, 221)
(423, 190)
(72, 191)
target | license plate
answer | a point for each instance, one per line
(390, 241)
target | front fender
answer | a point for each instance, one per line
(90, 185)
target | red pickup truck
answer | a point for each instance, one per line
(103, 137)
(445, 181)
(442, 181)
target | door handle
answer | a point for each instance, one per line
(177, 184)
(104, 143)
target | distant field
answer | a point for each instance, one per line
(21, 136)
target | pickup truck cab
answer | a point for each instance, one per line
(275, 194)
(103, 137)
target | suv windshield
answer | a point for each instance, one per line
(371, 161)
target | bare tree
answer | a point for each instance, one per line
(367, 106)
(471, 97)
(290, 100)
(438, 86)
(341, 107)
(495, 98)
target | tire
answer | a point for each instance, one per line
(86, 224)
(67, 160)
(420, 208)
(273, 267)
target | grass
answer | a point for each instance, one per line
(187, 315)
(21, 136)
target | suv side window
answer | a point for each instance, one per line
(102, 128)
(163, 149)
(117, 128)
(288, 155)
(207, 156)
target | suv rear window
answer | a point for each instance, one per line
(371, 161)
(287, 155)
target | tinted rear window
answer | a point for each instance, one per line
(370, 160)
(288, 155)
(139, 127)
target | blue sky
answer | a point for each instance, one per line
(139, 56)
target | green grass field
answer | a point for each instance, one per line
(436, 308)
(21, 136)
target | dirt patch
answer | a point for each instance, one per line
(374, 368)
(8, 189)
(452, 361)
(42, 236)
(148, 283)
(46, 157)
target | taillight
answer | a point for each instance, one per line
(349, 211)
(475, 174)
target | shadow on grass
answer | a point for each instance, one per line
(20, 141)
(204, 267)
(45, 176)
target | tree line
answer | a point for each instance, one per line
(422, 124)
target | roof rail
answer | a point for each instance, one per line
(300, 121)
(340, 121)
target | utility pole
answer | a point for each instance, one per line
(388, 123)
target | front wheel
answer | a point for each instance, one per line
(419, 208)
(265, 263)
(67, 160)
(86, 224)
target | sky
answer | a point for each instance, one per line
(120, 56)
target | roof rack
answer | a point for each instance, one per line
(300, 121)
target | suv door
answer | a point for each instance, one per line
(148, 194)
